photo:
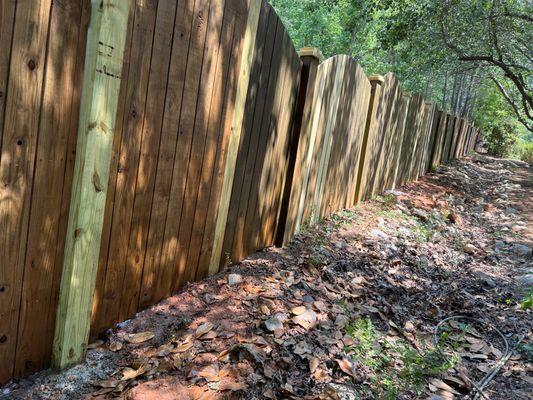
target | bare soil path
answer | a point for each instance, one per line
(348, 311)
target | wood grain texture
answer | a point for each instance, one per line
(371, 146)
(157, 275)
(60, 103)
(103, 69)
(230, 113)
(299, 147)
(399, 133)
(17, 161)
(158, 82)
(118, 301)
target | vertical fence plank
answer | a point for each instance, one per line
(7, 21)
(400, 132)
(157, 275)
(300, 146)
(370, 137)
(118, 301)
(262, 67)
(237, 128)
(42, 269)
(231, 65)
(17, 161)
(150, 146)
(101, 85)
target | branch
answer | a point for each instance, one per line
(511, 102)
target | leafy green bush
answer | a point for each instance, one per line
(501, 140)
(526, 152)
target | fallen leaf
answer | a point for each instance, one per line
(209, 335)
(108, 383)
(183, 347)
(203, 329)
(115, 345)
(210, 373)
(313, 364)
(232, 386)
(130, 373)
(443, 386)
(273, 324)
(164, 350)
(347, 367)
(136, 338)
(307, 320)
(264, 309)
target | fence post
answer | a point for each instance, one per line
(100, 92)
(236, 131)
(370, 129)
(295, 185)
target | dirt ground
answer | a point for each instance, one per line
(355, 308)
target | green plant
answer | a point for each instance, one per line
(395, 366)
(525, 151)
(527, 301)
(501, 140)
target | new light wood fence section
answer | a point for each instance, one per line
(225, 142)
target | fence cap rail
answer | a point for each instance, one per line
(312, 52)
(376, 78)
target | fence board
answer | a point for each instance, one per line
(118, 278)
(433, 124)
(59, 111)
(436, 155)
(260, 82)
(150, 147)
(346, 139)
(421, 128)
(399, 135)
(17, 161)
(294, 188)
(388, 108)
(7, 20)
(221, 116)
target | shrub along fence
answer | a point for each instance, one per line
(146, 143)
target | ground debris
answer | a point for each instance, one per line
(347, 311)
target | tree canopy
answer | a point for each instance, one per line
(467, 55)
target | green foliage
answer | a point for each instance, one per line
(429, 44)
(527, 301)
(395, 366)
(524, 150)
(501, 140)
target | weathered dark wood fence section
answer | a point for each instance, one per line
(225, 141)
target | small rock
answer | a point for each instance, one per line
(409, 327)
(470, 248)
(234, 279)
(273, 324)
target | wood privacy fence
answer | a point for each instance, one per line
(146, 143)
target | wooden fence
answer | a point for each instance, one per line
(146, 143)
